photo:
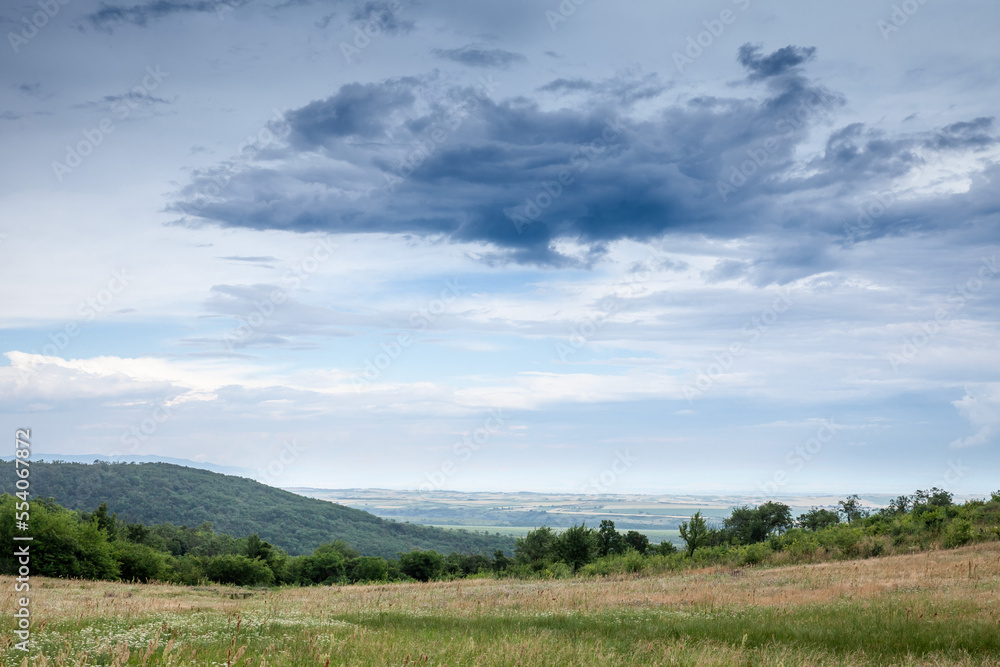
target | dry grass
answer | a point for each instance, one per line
(934, 608)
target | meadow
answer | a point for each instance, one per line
(939, 607)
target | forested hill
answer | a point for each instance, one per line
(153, 493)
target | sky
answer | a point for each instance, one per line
(730, 247)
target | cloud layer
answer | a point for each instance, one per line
(594, 162)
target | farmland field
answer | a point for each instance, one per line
(655, 535)
(657, 516)
(933, 608)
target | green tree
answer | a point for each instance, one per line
(63, 545)
(577, 546)
(421, 565)
(536, 548)
(665, 548)
(637, 541)
(138, 562)
(899, 505)
(500, 561)
(694, 533)
(777, 517)
(368, 569)
(818, 518)
(749, 525)
(851, 508)
(609, 540)
(239, 570)
(933, 497)
(107, 523)
(326, 565)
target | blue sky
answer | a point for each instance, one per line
(742, 247)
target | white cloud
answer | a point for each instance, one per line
(981, 406)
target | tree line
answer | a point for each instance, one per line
(767, 533)
(99, 545)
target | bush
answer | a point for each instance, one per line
(138, 562)
(327, 565)
(238, 570)
(368, 569)
(64, 546)
(421, 565)
(665, 548)
(557, 571)
(959, 533)
(752, 554)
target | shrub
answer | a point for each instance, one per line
(239, 570)
(959, 533)
(138, 562)
(421, 565)
(327, 565)
(753, 554)
(368, 569)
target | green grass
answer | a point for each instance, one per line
(938, 608)
(883, 632)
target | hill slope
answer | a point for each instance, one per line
(154, 493)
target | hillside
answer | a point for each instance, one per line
(154, 493)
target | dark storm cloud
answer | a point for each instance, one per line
(777, 63)
(110, 16)
(567, 85)
(623, 89)
(974, 134)
(361, 110)
(462, 166)
(478, 56)
(384, 14)
(31, 89)
(138, 98)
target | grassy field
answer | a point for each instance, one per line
(935, 608)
